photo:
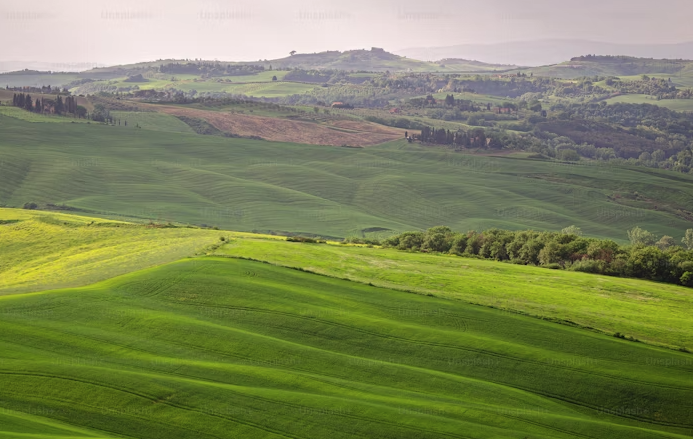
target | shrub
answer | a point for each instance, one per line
(30, 206)
(356, 240)
(588, 266)
(687, 279)
(553, 266)
(459, 245)
(410, 241)
(305, 239)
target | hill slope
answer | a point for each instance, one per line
(244, 184)
(544, 52)
(225, 348)
(373, 60)
(377, 60)
(40, 250)
(617, 66)
(652, 312)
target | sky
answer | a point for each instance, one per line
(77, 33)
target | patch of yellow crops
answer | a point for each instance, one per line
(51, 250)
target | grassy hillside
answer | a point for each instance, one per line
(652, 312)
(40, 250)
(45, 250)
(227, 348)
(618, 66)
(259, 89)
(672, 104)
(243, 184)
(27, 116)
(41, 79)
(368, 60)
(153, 121)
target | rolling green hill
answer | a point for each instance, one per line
(227, 348)
(245, 185)
(672, 104)
(377, 60)
(617, 66)
(45, 250)
(48, 250)
(649, 311)
(54, 79)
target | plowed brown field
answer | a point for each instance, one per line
(331, 132)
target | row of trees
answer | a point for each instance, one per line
(66, 106)
(475, 138)
(646, 257)
(43, 105)
(210, 68)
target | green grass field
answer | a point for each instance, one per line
(265, 76)
(212, 347)
(37, 79)
(475, 97)
(651, 312)
(153, 121)
(259, 89)
(680, 79)
(41, 250)
(672, 104)
(246, 185)
(19, 113)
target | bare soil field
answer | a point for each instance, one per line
(332, 132)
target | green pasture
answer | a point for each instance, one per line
(246, 185)
(153, 121)
(216, 348)
(672, 104)
(40, 250)
(28, 116)
(649, 311)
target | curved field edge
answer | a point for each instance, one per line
(216, 347)
(651, 312)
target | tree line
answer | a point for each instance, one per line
(43, 105)
(646, 257)
(475, 138)
(210, 69)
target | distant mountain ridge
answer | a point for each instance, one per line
(373, 60)
(545, 52)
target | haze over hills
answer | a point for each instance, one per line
(548, 51)
(374, 60)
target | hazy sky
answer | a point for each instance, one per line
(122, 31)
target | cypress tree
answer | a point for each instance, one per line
(28, 103)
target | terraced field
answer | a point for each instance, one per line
(228, 348)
